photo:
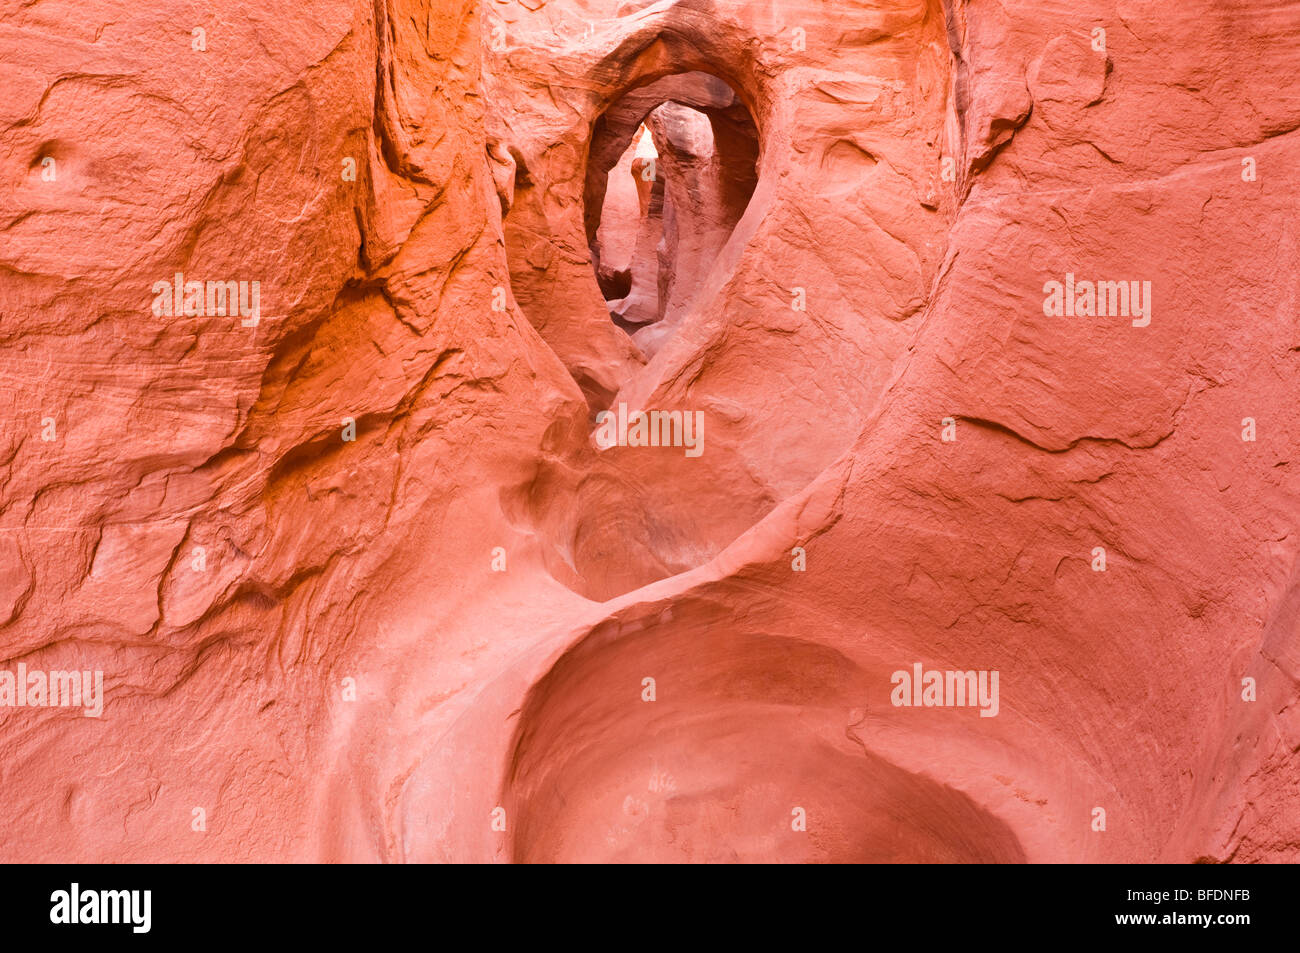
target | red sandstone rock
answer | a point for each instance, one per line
(363, 586)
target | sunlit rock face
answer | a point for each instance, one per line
(582, 430)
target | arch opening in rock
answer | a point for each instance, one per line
(673, 167)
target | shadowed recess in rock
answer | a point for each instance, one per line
(688, 739)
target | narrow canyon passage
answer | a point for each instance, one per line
(673, 163)
(662, 213)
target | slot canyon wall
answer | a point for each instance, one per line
(368, 579)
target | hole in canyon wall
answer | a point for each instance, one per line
(673, 166)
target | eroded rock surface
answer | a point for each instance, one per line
(362, 581)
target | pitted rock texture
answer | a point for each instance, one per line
(363, 585)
